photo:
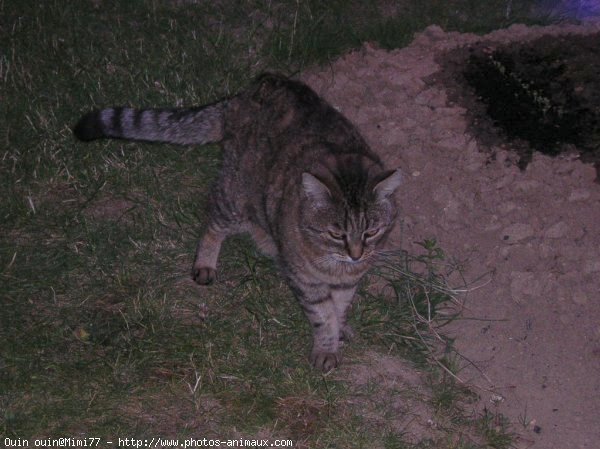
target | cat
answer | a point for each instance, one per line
(297, 176)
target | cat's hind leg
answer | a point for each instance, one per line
(204, 270)
(224, 220)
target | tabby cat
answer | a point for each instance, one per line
(297, 176)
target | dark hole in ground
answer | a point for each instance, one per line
(542, 95)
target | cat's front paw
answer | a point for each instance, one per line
(204, 275)
(324, 361)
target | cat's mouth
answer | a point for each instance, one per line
(346, 258)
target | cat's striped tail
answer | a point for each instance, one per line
(198, 125)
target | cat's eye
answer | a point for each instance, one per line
(370, 233)
(336, 235)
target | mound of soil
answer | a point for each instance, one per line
(527, 239)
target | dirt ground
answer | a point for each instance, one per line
(528, 239)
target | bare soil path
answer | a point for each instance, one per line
(529, 239)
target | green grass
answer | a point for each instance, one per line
(101, 331)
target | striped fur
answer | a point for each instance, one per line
(297, 176)
(182, 126)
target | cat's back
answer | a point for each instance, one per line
(287, 111)
(276, 130)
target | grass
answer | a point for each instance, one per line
(101, 332)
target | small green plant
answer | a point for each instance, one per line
(415, 297)
(524, 419)
(496, 430)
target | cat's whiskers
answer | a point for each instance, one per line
(326, 261)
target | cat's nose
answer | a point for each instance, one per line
(355, 250)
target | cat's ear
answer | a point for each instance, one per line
(388, 184)
(315, 189)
